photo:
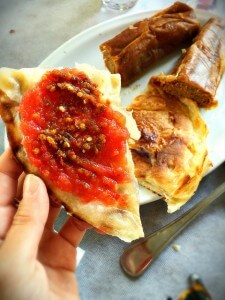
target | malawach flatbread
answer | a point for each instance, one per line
(171, 156)
(67, 126)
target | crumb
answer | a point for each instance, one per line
(176, 247)
(136, 86)
(12, 31)
(132, 27)
(127, 91)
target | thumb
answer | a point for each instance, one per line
(28, 224)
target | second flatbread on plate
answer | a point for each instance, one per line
(171, 156)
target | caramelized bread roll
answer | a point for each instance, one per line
(145, 42)
(171, 156)
(198, 74)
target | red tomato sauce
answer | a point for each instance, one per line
(74, 139)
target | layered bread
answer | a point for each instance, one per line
(67, 127)
(171, 155)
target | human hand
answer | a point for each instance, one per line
(35, 261)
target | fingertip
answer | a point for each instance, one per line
(99, 231)
(74, 230)
(32, 184)
(80, 224)
(9, 165)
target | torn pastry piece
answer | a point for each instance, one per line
(140, 45)
(199, 72)
(171, 156)
(67, 126)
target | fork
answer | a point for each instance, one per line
(139, 256)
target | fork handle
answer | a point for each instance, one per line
(136, 258)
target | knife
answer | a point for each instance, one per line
(139, 256)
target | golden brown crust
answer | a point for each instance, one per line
(140, 45)
(124, 223)
(171, 156)
(198, 73)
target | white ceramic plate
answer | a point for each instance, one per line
(84, 48)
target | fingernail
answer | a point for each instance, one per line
(31, 184)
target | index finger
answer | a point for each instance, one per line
(10, 171)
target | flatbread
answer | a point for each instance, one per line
(123, 222)
(171, 156)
